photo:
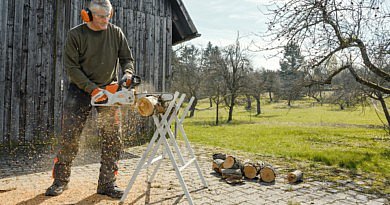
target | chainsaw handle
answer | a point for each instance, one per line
(109, 98)
(135, 80)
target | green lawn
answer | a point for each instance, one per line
(352, 138)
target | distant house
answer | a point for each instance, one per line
(32, 78)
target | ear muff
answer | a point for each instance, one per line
(86, 15)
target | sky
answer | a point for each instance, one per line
(219, 21)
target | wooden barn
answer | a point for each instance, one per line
(32, 78)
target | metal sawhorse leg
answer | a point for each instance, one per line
(162, 132)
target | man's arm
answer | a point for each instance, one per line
(72, 65)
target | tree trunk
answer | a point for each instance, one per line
(248, 102)
(211, 102)
(217, 112)
(258, 106)
(270, 96)
(231, 107)
(385, 110)
(193, 106)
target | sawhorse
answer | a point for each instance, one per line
(160, 138)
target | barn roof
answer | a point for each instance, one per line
(183, 29)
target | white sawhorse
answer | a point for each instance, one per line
(163, 130)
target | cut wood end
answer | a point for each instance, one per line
(229, 162)
(267, 174)
(250, 172)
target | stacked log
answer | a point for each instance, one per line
(267, 173)
(251, 170)
(218, 160)
(295, 176)
(233, 170)
(232, 162)
(218, 165)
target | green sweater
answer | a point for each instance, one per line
(91, 56)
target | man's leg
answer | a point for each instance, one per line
(109, 128)
(76, 110)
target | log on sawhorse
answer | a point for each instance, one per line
(165, 138)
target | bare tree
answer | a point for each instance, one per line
(187, 73)
(356, 32)
(234, 66)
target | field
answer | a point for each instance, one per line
(353, 139)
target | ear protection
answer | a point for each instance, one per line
(86, 14)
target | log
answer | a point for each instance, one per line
(217, 165)
(295, 176)
(251, 170)
(227, 173)
(267, 173)
(232, 162)
(234, 180)
(149, 105)
(219, 156)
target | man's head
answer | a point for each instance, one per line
(101, 13)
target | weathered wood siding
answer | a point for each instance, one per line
(32, 78)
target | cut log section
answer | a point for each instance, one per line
(267, 174)
(232, 162)
(219, 156)
(295, 176)
(231, 173)
(147, 106)
(251, 170)
(217, 165)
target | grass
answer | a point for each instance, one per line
(353, 139)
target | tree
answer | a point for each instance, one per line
(215, 85)
(187, 73)
(271, 83)
(234, 67)
(356, 32)
(290, 75)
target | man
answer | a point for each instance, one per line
(92, 50)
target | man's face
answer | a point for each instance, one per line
(100, 19)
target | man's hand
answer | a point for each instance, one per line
(99, 96)
(126, 79)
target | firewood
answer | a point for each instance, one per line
(267, 173)
(295, 176)
(217, 165)
(234, 180)
(147, 106)
(232, 162)
(219, 156)
(251, 170)
(226, 173)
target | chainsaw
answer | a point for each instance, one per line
(119, 95)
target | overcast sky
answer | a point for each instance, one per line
(218, 21)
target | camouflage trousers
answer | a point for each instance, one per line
(76, 110)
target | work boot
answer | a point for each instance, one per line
(56, 188)
(110, 190)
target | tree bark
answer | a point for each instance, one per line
(248, 102)
(385, 110)
(258, 105)
(193, 106)
(231, 107)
